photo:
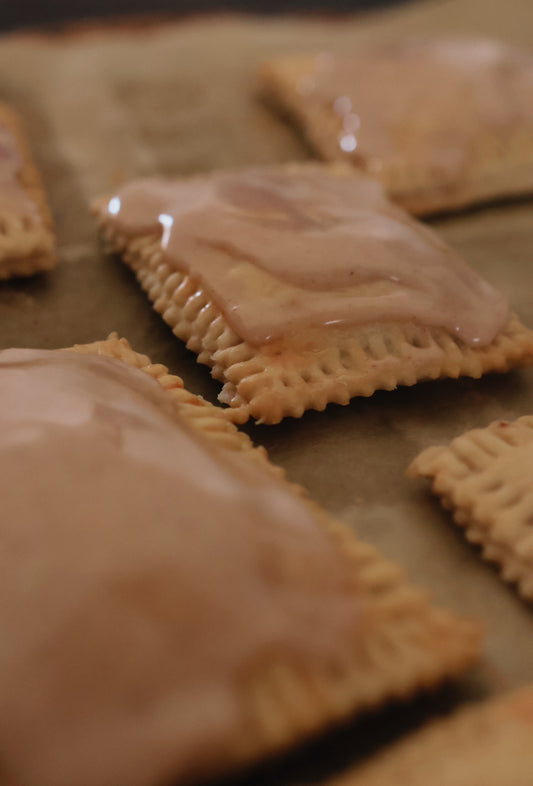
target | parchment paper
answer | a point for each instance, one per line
(107, 103)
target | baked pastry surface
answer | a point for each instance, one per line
(150, 642)
(302, 285)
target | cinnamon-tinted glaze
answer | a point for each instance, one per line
(145, 577)
(283, 251)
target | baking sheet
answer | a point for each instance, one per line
(102, 104)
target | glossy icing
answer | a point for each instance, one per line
(281, 252)
(14, 199)
(145, 576)
(424, 103)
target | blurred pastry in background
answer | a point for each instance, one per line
(444, 123)
(487, 744)
(27, 241)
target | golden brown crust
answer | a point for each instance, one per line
(487, 744)
(484, 477)
(494, 172)
(279, 380)
(403, 645)
(26, 247)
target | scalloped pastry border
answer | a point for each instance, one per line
(496, 516)
(271, 382)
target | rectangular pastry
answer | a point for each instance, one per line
(27, 242)
(171, 607)
(488, 744)
(302, 285)
(442, 122)
(484, 477)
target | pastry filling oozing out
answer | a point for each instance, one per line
(14, 199)
(146, 576)
(284, 251)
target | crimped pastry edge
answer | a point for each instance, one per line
(268, 384)
(483, 512)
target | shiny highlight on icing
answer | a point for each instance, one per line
(281, 252)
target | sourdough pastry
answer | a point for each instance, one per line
(442, 122)
(27, 243)
(484, 477)
(488, 744)
(173, 607)
(303, 285)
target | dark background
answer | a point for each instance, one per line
(29, 13)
